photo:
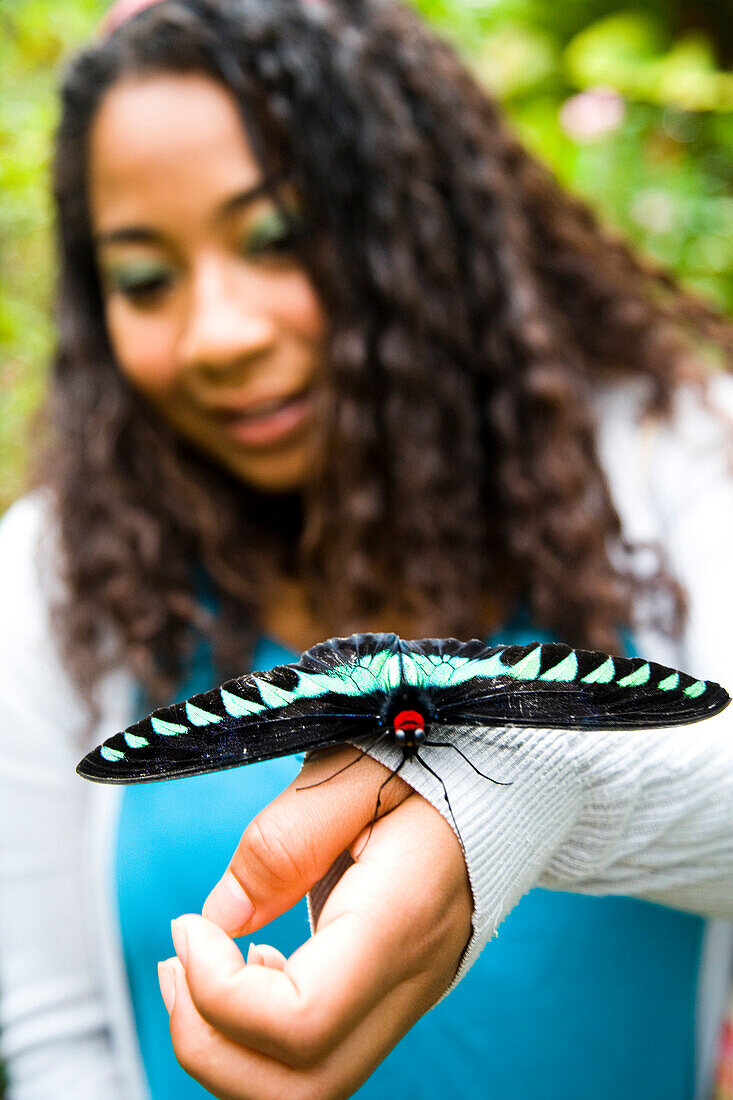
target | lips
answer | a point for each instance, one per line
(265, 408)
(269, 422)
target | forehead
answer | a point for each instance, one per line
(167, 144)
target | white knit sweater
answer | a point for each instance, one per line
(648, 815)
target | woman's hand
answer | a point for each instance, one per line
(387, 945)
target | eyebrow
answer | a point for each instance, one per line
(244, 198)
(142, 234)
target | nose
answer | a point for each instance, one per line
(227, 323)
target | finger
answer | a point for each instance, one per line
(221, 1066)
(369, 941)
(262, 954)
(293, 842)
(233, 1072)
(221, 985)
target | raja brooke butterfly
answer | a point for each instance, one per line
(373, 688)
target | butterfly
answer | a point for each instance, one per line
(372, 688)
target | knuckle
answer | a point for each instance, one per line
(435, 935)
(312, 1089)
(192, 1048)
(303, 1089)
(266, 855)
(307, 1042)
(186, 1059)
(212, 1000)
(394, 794)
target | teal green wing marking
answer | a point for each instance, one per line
(347, 688)
(333, 694)
(551, 685)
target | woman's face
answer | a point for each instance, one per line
(209, 314)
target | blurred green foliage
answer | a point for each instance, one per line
(34, 37)
(632, 108)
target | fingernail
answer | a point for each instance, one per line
(180, 940)
(228, 906)
(167, 982)
(254, 956)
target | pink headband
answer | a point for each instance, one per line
(122, 10)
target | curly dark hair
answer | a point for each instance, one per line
(472, 307)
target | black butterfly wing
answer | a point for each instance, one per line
(552, 685)
(340, 690)
(328, 697)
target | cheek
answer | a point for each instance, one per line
(299, 308)
(144, 349)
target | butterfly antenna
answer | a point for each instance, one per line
(449, 745)
(375, 815)
(362, 754)
(445, 795)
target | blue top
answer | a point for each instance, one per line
(579, 998)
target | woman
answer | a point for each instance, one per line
(335, 353)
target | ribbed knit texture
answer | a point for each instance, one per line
(603, 813)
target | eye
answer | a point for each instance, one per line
(141, 282)
(273, 234)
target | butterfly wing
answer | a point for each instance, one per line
(552, 685)
(340, 690)
(333, 694)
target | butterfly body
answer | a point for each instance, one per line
(372, 688)
(408, 727)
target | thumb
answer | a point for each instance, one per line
(293, 842)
